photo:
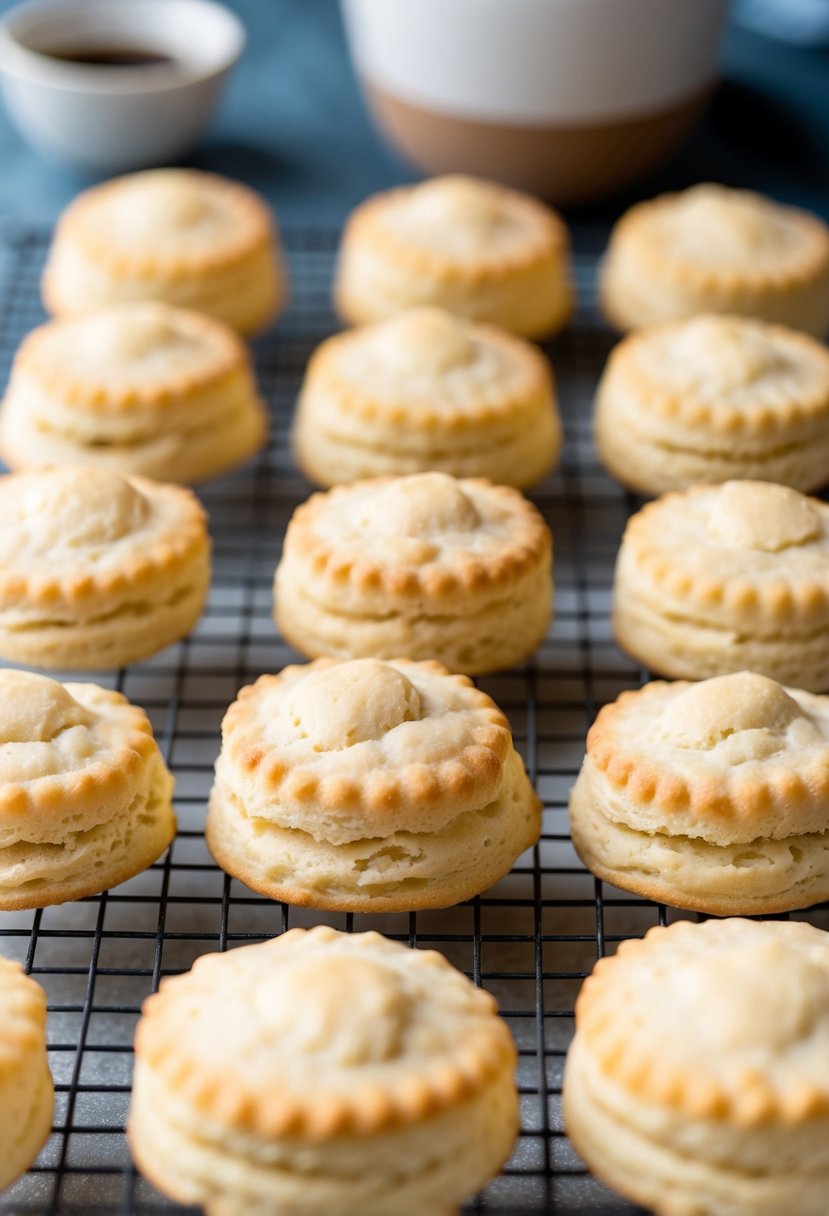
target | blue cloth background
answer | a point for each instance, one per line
(292, 124)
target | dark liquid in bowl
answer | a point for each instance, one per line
(110, 56)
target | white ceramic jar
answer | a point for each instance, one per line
(568, 98)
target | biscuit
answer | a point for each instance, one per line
(365, 786)
(423, 566)
(715, 250)
(463, 244)
(427, 391)
(727, 578)
(85, 796)
(140, 388)
(178, 235)
(27, 1096)
(96, 569)
(713, 398)
(712, 796)
(698, 1079)
(355, 1077)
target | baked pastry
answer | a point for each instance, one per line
(366, 786)
(698, 1079)
(96, 569)
(727, 578)
(27, 1096)
(356, 1077)
(710, 796)
(711, 249)
(85, 796)
(427, 391)
(423, 566)
(712, 398)
(141, 388)
(177, 235)
(463, 244)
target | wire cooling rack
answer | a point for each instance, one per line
(530, 940)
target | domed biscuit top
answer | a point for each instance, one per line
(427, 366)
(168, 220)
(745, 550)
(365, 747)
(730, 759)
(731, 374)
(711, 231)
(710, 249)
(143, 353)
(428, 533)
(413, 1036)
(471, 222)
(97, 569)
(467, 245)
(51, 730)
(752, 999)
(358, 1076)
(67, 534)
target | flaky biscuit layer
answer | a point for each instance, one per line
(711, 398)
(192, 239)
(711, 249)
(85, 797)
(725, 578)
(427, 391)
(139, 388)
(369, 786)
(424, 565)
(26, 1090)
(459, 243)
(399, 871)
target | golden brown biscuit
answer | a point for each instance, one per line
(427, 391)
(698, 1079)
(178, 235)
(85, 796)
(356, 1077)
(727, 578)
(367, 786)
(710, 796)
(712, 398)
(96, 569)
(715, 250)
(140, 388)
(424, 566)
(462, 244)
(27, 1095)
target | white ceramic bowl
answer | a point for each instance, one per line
(568, 98)
(110, 119)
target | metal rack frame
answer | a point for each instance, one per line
(530, 940)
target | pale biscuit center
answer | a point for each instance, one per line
(423, 340)
(706, 714)
(34, 709)
(762, 516)
(424, 505)
(720, 354)
(340, 706)
(349, 1011)
(732, 1003)
(718, 226)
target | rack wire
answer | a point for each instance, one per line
(530, 940)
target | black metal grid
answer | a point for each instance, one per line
(530, 940)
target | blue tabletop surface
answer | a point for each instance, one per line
(293, 125)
